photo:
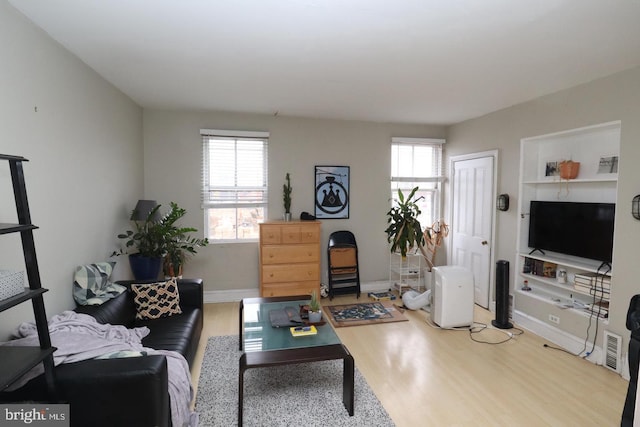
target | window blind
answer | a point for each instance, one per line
(234, 169)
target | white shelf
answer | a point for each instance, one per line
(607, 179)
(569, 262)
(557, 301)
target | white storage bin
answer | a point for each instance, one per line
(11, 283)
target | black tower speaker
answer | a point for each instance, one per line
(502, 296)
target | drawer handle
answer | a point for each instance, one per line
(271, 275)
(270, 255)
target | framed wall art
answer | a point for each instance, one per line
(332, 192)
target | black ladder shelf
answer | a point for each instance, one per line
(17, 361)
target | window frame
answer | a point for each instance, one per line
(408, 182)
(208, 135)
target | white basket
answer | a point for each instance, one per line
(11, 283)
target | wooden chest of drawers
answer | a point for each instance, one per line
(289, 258)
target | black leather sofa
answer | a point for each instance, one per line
(127, 391)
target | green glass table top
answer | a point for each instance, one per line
(259, 335)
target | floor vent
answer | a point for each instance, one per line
(613, 350)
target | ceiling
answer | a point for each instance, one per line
(407, 61)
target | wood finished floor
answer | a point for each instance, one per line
(426, 376)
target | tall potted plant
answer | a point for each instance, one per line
(404, 230)
(286, 197)
(151, 240)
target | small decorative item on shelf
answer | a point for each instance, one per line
(562, 275)
(525, 286)
(286, 196)
(569, 169)
(315, 314)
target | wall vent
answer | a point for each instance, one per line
(613, 351)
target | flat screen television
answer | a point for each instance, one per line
(580, 229)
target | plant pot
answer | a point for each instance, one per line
(569, 169)
(169, 269)
(315, 316)
(287, 216)
(145, 268)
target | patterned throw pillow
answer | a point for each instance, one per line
(91, 285)
(155, 300)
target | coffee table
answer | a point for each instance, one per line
(266, 346)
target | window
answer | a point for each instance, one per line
(417, 162)
(234, 183)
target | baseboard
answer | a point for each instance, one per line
(562, 339)
(233, 295)
(230, 295)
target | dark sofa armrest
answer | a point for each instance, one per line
(129, 391)
(112, 392)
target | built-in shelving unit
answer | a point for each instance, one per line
(552, 308)
(17, 361)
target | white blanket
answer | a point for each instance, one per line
(80, 337)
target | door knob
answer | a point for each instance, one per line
(484, 243)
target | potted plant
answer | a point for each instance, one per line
(286, 196)
(179, 249)
(404, 230)
(315, 313)
(152, 239)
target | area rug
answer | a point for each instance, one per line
(307, 394)
(364, 314)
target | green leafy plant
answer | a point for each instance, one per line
(286, 194)
(158, 238)
(404, 230)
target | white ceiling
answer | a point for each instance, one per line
(413, 61)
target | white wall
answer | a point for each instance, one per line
(84, 145)
(172, 147)
(616, 97)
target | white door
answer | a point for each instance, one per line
(471, 221)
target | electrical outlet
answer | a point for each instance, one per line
(554, 319)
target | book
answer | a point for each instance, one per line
(593, 281)
(591, 277)
(301, 331)
(585, 289)
(382, 296)
(596, 291)
(603, 314)
(601, 307)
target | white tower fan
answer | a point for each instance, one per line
(453, 292)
